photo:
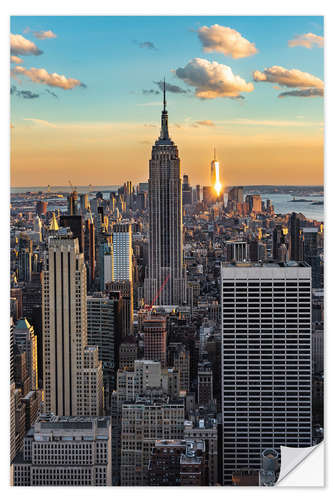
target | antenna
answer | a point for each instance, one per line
(214, 153)
(164, 99)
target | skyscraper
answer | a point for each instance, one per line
(67, 367)
(296, 239)
(165, 281)
(122, 252)
(266, 362)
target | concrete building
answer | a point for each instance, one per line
(165, 281)
(25, 340)
(237, 251)
(104, 329)
(122, 252)
(155, 334)
(266, 362)
(205, 383)
(128, 353)
(65, 451)
(192, 464)
(125, 288)
(205, 429)
(65, 329)
(144, 422)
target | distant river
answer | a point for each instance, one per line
(283, 204)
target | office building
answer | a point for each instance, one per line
(104, 329)
(124, 291)
(205, 429)
(25, 341)
(165, 282)
(65, 329)
(76, 225)
(254, 203)
(122, 252)
(237, 251)
(155, 335)
(65, 451)
(296, 238)
(143, 422)
(266, 361)
(205, 383)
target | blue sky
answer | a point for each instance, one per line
(100, 51)
(107, 56)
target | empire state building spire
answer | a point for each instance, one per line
(164, 135)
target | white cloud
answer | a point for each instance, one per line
(212, 79)
(15, 59)
(230, 42)
(40, 75)
(21, 46)
(43, 123)
(307, 40)
(288, 77)
(205, 123)
(42, 35)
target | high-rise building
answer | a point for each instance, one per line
(76, 225)
(72, 203)
(215, 175)
(25, 340)
(205, 383)
(123, 290)
(104, 330)
(236, 194)
(165, 281)
(254, 203)
(144, 422)
(122, 252)
(237, 251)
(266, 362)
(155, 334)
(65, 329)
(187, 191)
(296, 238)
(41, 207)
(89, 249)
(65, 451)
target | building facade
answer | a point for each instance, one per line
(266, 362)
(165, 282)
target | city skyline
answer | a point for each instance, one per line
(266, 123)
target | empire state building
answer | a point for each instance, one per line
(165, 283)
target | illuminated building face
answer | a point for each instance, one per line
(215, 177)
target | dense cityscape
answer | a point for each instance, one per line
(163, 334)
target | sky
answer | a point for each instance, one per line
(86, 98)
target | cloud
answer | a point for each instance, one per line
(311, 92)
(206, 123)
(150, 125)
(307, 40)
(42, 35)
(212, 79)
(26, 94)
(150, 92)
(287, 77)
(146, 45)
(21, 46)
(43, 123)
(40, 75)
(51, 93)
(15, 59)
(144, 142)
(171, 88)
(226, 40)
